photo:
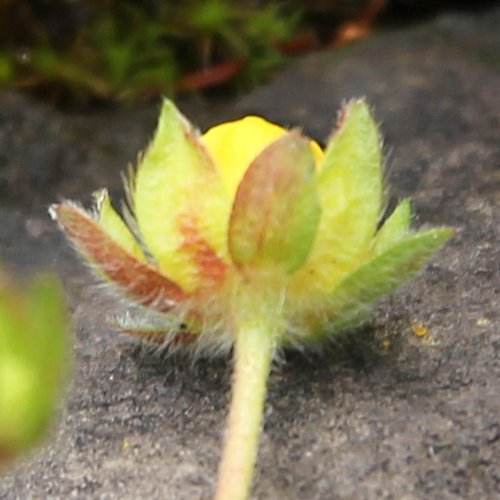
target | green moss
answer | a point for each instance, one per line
(131, 50)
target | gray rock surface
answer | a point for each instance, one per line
(380, 414)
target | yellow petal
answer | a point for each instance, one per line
(234, 145)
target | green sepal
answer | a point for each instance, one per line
(351, 300)
(350, 192)
(178, 197)
(137, 280)
(276, 209)
(114, 225)
(351, 176)
(394, 228)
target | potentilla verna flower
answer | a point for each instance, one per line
(251, 236)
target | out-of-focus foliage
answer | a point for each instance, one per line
(130, 49)
(79, 50)
(33, 362)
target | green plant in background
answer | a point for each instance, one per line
(251, 238)
(132, 50)
(33, 362)
(80, 50)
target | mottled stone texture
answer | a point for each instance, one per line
(381, 413)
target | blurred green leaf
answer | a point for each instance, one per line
(134, 50)
(33, 361)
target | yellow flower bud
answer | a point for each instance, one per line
(250, 199)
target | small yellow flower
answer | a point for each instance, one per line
(251, 235)
(250, 202)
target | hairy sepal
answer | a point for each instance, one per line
(350, 191)
(166, 331)
(352, 299)
(394, 228)
(181, 205)
(135, 279)
(114, 225)
(276, 209)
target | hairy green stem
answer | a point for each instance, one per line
(254, 350)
